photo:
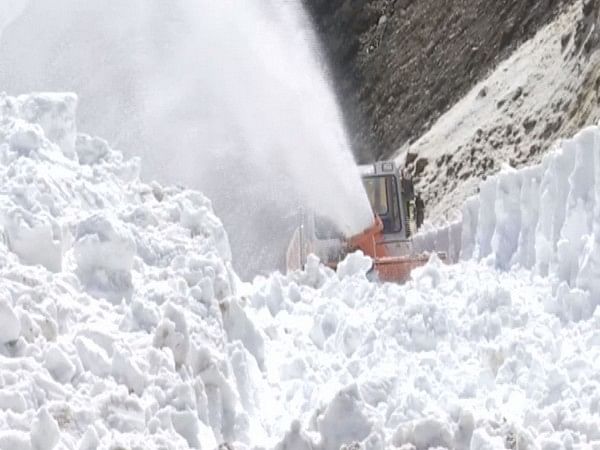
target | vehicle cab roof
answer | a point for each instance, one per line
(378, 168)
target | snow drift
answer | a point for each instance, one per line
(122, 324)
(110, 324)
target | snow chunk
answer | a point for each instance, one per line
(354, 264)
(91, 150)
(45, 433)
(90, 440)
(93, 357)
(125, 369)
(186, 423)
(483, 441)
(25, 137)
(14, 440)
(172, 332)
(13, 401)
(296, 439)
(424, 434)
(59, 365)
(195, 214)
(55, 113)
(37, 238)
(344, 420)
(10, 326)
(508, 217)
(104, 251)
(239, 327)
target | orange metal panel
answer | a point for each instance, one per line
(398, 269)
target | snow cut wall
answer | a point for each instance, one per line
(545, 218)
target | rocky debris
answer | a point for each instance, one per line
(399, 64)
(588, 7)
(485, 153)
(518, 92)
(587, 34)
(528, 124)
(420, 165)
(410, 158)
(564, 40)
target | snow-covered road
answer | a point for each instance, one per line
(122, 324)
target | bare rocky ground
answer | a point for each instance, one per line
(548, 89)
(398, 65)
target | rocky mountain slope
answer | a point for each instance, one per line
(399, 64)
(546, 90)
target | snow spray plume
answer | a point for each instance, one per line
(9, 11)
(225, 96)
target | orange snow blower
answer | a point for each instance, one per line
(392, 260)
(388, 241)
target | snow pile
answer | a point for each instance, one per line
(498, 351)
(111, 332)
(462, 356)
(122, 324)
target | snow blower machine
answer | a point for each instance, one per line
(397, 215)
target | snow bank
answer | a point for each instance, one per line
(111, 332)
(462, 356)
(122, 324)
(545, 218)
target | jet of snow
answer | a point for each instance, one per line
(9, 11)
(229, 97)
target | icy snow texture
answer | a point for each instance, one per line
(110, 327)
(123, 326)
(527, 336)
(462, 356)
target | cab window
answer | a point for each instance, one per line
(377, 193)
(383, 196)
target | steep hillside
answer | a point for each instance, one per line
(399, 64)
(548, 89)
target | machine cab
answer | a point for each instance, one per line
(392, 198)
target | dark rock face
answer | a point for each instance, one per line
(399, 64)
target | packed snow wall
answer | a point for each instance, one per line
(545, 218)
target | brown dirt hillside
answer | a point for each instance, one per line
(399, 64)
